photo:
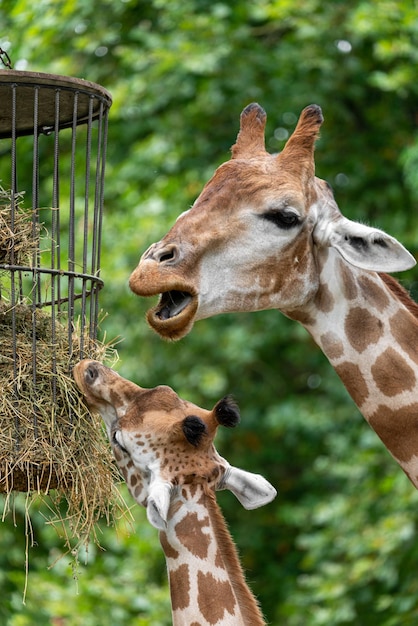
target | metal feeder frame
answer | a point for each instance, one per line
(53, 137)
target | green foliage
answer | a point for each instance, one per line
(90, 589)
(338, 545)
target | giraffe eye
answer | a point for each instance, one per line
(282, 219)
(116, 441)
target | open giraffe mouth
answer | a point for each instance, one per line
(173, 316)
(172, 303)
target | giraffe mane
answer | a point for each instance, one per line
(247, 601)
(401, 293)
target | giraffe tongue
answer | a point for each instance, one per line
(172, 303)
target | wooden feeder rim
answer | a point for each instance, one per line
(92, 99)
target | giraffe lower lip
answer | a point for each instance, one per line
(172, 303)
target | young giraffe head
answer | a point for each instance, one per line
(162, 442)
(253, 237)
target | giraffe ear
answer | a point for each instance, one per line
(368, 248)
(227, 412)
(158, 503)
(194, 429)
(252, 490)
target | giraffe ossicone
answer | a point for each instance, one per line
(266, 233)
(164, 448)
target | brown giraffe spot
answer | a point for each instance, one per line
(195, 624)
(373, 292)
(398, 429)
(169, 551)
(324, 300)
(134, 480)
(300, 316)
(405, 330)
(180, 587)
(348, 283)
(190, 532)
(354, 381)
(392, 373)
(362, 328)
(332, 345)
(214, 597)
(193, 489)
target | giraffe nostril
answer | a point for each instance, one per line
(167, 254)
(91, 373)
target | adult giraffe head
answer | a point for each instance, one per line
(252, 239)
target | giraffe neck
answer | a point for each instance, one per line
(368, 328)
(207, 584)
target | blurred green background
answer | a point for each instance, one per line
(338, 546)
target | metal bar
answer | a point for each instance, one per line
(71, 227)
(52, 271)
(35, 260)
(96, 227)
(56, 206)
(101, 163)
(86, 225)
(55, 251)
(13, 198)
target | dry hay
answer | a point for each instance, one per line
(48, 438)
(18, 232)
(51, 446)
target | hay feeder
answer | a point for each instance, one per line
(53, 133)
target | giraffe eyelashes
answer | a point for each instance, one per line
(282, 219)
